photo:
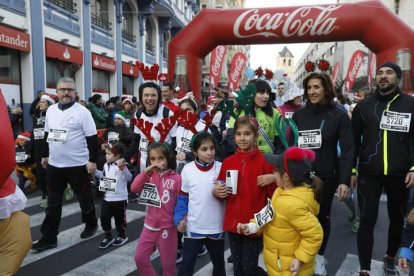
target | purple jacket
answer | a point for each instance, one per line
(168, 186)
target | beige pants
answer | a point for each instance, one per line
(15, 242)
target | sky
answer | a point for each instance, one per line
(265, 55)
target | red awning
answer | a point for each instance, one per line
(12, 38)
(103, 63)
(63, 52)
(130, 70)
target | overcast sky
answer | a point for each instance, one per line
(265, 55)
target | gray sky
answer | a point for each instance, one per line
(265, 55)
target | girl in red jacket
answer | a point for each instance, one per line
(249, 197)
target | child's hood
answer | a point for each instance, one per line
(305, 194)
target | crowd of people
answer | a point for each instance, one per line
(262, 173)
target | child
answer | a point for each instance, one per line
(199, 215)
(25, 162)
(251, 196)
(113, 181)
(407, 239)
(159, 186)
(292, 234)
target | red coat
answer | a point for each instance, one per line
(250, 197)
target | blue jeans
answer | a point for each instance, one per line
(191, 248)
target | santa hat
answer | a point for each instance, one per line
(25, 135)
(119, 116)
(51, 98)
(126, 100)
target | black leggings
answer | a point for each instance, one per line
(369, 193)
(329, 188)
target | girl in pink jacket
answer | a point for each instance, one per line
(159, 186)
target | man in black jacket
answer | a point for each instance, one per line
(383, 136)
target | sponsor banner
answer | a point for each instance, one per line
(162, 77)
(237, 65)
(216, 62)
(353, 68)
(103, 63)
(63, 52)
(130, 70)
(12, 38)
(372, 63)
(335, 72)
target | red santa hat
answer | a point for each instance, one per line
(51, 98)
(25, 135)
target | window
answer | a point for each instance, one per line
(148, 37)
(165, 46)
(284, 61)
(127, 85)
(127, 27)
(100, 81)
(56, 69)
(289, 62)
(10, 66)
(99, 8)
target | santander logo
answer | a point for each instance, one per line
(237, 70)
(250, 23)
(220, 52)
(355, 68)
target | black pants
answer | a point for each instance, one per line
(41, 177)
(245, 251)
(57, 179)
(191, 248)
(330, 185)
(117, 210)
(369, 193)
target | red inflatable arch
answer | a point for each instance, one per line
(370, 22)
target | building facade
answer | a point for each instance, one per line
(96, 42)
(285, 61)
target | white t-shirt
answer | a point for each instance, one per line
(205, 212)
(122, 178)
(78, 122)
(143, 144)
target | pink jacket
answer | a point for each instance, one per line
(168, 187)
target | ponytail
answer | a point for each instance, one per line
(316, 185)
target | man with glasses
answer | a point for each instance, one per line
(70, 151)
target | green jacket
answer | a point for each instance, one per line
(99, 115)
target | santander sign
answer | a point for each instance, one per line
(250, 23)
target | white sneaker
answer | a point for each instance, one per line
(320, 269)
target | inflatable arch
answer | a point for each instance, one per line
(370, 22)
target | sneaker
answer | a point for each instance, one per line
(106, 242)
(120, 241)
(320, 269)
(355, 226)
(202, 252)
(350, 216)
(43, 245)
(68, 193)
(389, 267)
(43, 204)
(364, 273)
(88, 232)
(179, 257)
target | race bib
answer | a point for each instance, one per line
(113, 136)
(265, 215)
(183, 145)
(21, 157)
(143, 144)
(149, 196)
(127, 122)
(310, 139)
(57, 135)
(107, 185)
(39, 133)
(288, 115)
(395, 121)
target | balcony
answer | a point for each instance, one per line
(17, 6)
(101, 23)
(128, 36)
(67, 5)
(150, 54)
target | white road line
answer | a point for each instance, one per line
(71, 237)
(67, 210)
(33, 201)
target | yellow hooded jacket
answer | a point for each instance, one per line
(294, 232)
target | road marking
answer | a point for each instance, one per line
(67, 210)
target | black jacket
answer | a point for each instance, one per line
(336, 130)
(397, 158)
(38, 123)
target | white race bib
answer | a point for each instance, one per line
(143, 144)
(57, 135)
(39, 133)
(107, 184)
(265, 215)
(21, 157)
(113, 136)
(149, 196)
(395, 121)
(127, 122)
(310, 139)
(183, 145)
(288, 115)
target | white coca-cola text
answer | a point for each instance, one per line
(237, 69)
(357, 64)
(250, 23)
(215, 67)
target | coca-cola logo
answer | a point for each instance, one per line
(355, 68)
(219, 56)
(237, 69)
(250, 23)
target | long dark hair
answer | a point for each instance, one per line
(327, 84)
(263, 86)
(199, 138)
(166, 151)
